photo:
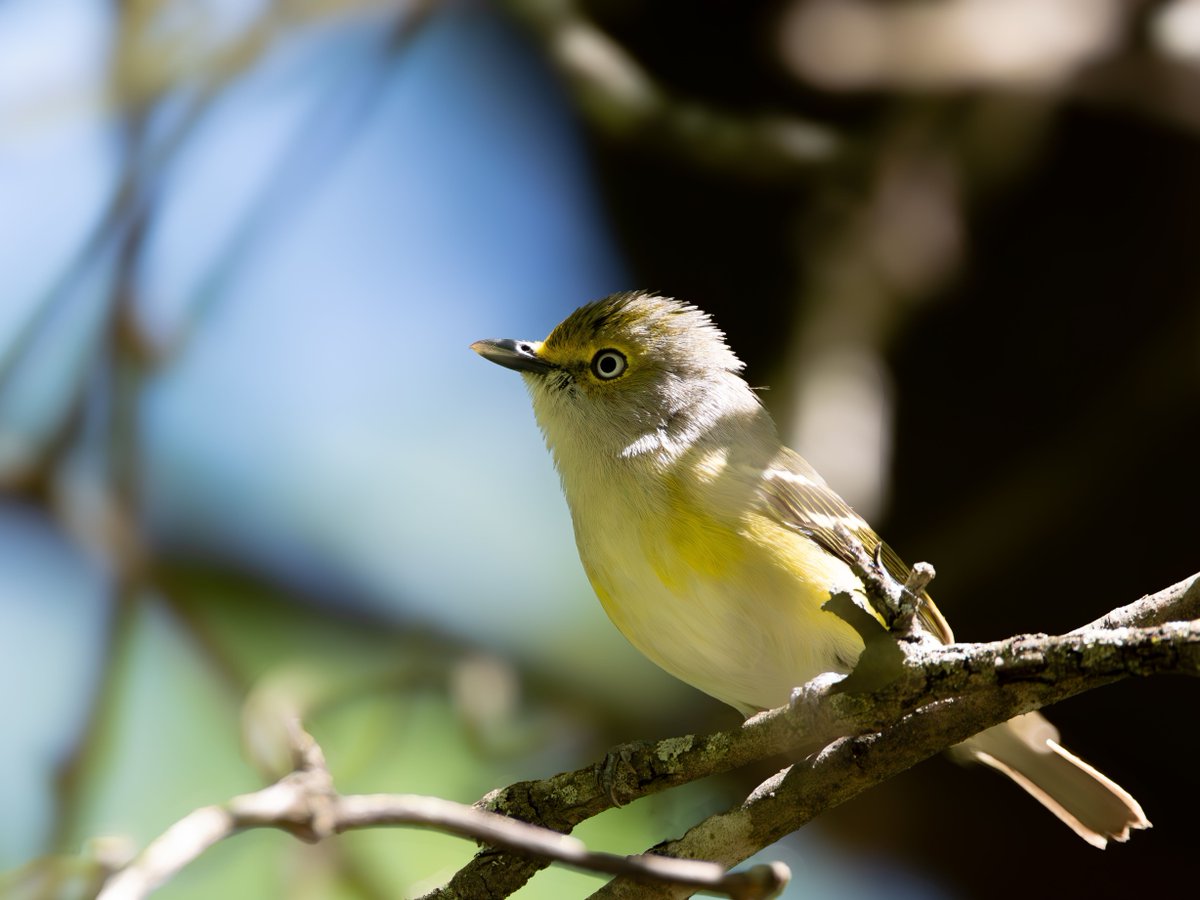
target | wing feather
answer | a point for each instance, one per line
(803, 501)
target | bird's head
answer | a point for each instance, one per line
(625, 375)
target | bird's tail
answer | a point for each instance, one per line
(1026, 749)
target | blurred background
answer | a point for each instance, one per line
(246, 459)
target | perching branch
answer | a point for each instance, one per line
(850, 765)
(896, 726)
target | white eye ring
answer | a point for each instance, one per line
(608, 364)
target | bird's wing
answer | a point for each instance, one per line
(803, 501)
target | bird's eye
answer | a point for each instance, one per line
(608, 364)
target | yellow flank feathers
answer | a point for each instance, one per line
(696, 543)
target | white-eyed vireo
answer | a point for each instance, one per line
(713, 547)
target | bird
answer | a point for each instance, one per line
(714, 548)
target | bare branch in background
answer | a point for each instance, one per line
(621, 98)
(102, 508)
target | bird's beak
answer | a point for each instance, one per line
(519, 355)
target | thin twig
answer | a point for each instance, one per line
(1178, 603)
(919, 577)
(897, 603)
(305, 804)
